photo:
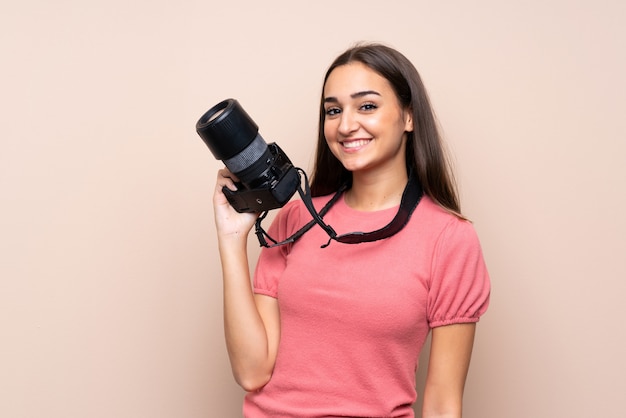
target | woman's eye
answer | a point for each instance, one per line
(368, 106)
(332, 111)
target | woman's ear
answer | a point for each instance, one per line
(408, 120)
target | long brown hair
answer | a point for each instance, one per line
(425, 154)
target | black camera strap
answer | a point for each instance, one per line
(411, 196)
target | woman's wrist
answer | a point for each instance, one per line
(233, 241)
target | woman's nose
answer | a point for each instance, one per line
(348, 123)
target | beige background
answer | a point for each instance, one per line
(110, 291)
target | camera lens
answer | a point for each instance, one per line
(232, 136)
(215, 115)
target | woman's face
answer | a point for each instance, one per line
(365, 126)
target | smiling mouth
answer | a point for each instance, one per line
(355, 144)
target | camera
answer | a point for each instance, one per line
(267, 178)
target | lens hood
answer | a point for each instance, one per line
(226, 129)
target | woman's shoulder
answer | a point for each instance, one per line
(296, 214)
(428, 207)
(436, 218)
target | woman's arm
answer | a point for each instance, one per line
(450, 353)
(251, 322)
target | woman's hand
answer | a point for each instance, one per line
(229, 222)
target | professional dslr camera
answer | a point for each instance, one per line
(267, 178)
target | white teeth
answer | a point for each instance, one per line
(355, 144)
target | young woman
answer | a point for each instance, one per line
(329, 331)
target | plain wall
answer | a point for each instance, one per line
(110, 287)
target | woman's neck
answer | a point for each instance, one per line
(376, 191)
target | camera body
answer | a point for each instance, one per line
(275, 189)
(267, 178)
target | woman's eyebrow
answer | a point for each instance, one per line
(353, 95)
(364, 93)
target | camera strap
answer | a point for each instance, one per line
(411, 196)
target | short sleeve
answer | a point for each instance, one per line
(460, 286)
(272, 261)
